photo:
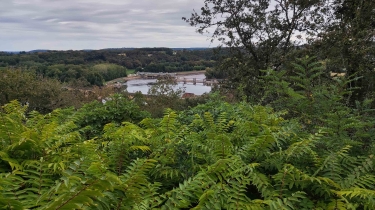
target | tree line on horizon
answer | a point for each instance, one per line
(97, 66)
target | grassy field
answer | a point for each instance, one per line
(190, 72)
(130, 71)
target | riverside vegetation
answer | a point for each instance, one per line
(94, 67)
(282, 132)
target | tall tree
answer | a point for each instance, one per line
(348, 42)
(259, 33)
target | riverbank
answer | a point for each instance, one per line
(191, 72)
(125, 79)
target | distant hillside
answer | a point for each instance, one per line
(36, 51)
(191, 48)
(32, 51)
(114, 49)
(11, 52)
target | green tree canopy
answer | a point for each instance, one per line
(262, 34)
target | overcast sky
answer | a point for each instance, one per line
(96, 24)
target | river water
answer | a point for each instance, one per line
(143, 85)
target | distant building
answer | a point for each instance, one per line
(122, 54)
(149, 55)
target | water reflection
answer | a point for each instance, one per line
(143, 85)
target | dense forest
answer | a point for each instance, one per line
(94, 67)
(291, 127)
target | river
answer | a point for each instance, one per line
(143, 85)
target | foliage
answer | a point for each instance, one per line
(265, 34)
(116, 109)
(93, 67)
(259, 34)
(214, 156)
(42, 94)
(94, 75)
(110, 71)
(45, 94)
(307, 143)
(348, 43)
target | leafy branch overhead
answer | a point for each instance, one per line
(269, 34)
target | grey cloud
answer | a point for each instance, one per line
(83, 24)
(10, 20)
